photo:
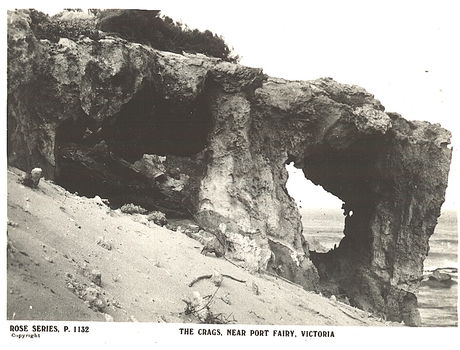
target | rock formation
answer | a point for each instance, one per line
(198, 137)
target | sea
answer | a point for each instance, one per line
(437, 301)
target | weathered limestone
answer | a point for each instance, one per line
(195, 136)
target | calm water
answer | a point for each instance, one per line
(437, 302)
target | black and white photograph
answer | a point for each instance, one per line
(231, 173)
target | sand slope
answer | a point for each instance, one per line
(59, 242)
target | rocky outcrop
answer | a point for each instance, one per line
(197, 137)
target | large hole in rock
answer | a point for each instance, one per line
(351, 173)
(322, 216)
(99, 159)
(154, 124)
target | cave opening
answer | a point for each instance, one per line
(321, 211)
(151, 123)
(100, 158)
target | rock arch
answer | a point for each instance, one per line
(231, 178)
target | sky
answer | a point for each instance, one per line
(403, 52)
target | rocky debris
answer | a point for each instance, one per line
(186, 226)
(96, 277)
(32, 178)
(101, 202)
(105, 243)
(130, 208)
(440, 278)
(191, 229)
(214, 246)
(201, 236)
(158, 218)
(151, 165)
(217, 137)
(93, 296)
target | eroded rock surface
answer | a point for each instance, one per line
(197, 137)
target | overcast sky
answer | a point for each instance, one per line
(404, 52)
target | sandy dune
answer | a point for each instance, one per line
(72, 258)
